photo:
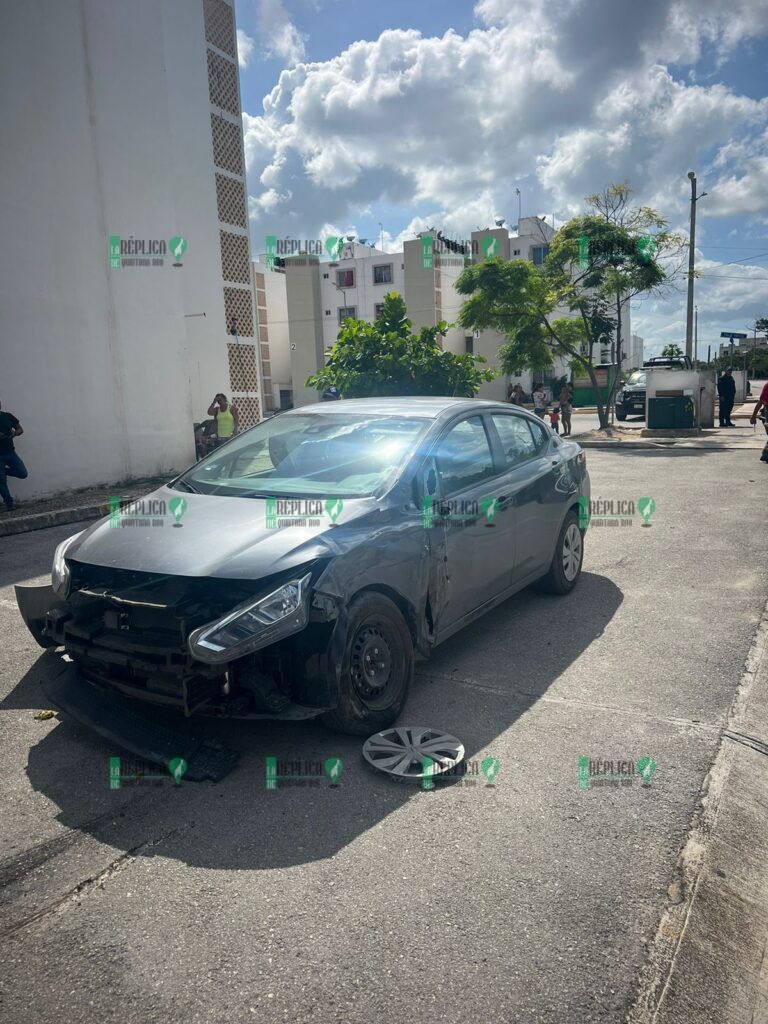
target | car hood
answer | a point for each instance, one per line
(218, 536)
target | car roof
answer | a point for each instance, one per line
(414, 405)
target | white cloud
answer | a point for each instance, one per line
(279, 35)
(244, 49)
(556, 97)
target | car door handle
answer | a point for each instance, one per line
(505, 500)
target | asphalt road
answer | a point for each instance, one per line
(527, 902)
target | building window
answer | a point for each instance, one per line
(469, 344)
(345, 279)
(327, 312)
(286, 398)
(382, 273)
(539, 254)
(347, 311)
(515, 252)
(377, 308)
(325, 276)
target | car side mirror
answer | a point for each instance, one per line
(424, 486)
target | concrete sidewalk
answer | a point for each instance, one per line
(707, 963)
(71, 506)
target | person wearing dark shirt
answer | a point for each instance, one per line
(761, 410)
(726, 389)
(10, 463)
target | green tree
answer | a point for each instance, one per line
(387, 358)
(595, 264)
(672, 351)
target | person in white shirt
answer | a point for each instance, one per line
(539, 400)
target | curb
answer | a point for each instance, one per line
(56, 517)
(705, 964)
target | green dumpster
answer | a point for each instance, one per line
(671, 412)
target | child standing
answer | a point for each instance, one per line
(554, 419)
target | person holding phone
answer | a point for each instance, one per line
(225, 417)
(10, 463)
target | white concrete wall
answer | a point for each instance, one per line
(106, 130)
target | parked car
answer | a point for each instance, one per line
(631, 399)
(319, 553)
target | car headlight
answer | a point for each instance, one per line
(60, 574)
(254, 625)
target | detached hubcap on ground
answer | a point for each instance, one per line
(571, 552)
(413, 752)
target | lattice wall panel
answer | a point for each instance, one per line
(248, 410)
(234, 258)
(237, 303)
(242, 367)
(230, 199)
(222, 83)
(227, 145)
(220, 26)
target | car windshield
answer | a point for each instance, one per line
(638, 377)
(306, 455)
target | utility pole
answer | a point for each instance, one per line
(695, 337)
(519, 208)
(691, 266)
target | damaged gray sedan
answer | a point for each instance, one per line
(301, 568)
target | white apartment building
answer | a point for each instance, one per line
(124, 199)
(633, 359)
(302, 302)
(271, 303)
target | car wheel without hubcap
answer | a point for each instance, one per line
(376, 666)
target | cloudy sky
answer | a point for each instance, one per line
(414, 113)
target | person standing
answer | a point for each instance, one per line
(566, 408)
(10, 463)
(517, 395)
(539, 400)
(225, 416)
(554, 419)
(762, 403)
(726, 389)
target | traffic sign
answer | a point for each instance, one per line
(731, 334)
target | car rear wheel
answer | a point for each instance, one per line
(376, 668)
(566, 564)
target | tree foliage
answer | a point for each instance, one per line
(672, 351)
(387, 358)
(596, 262)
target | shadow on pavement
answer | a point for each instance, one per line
(475, 686)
